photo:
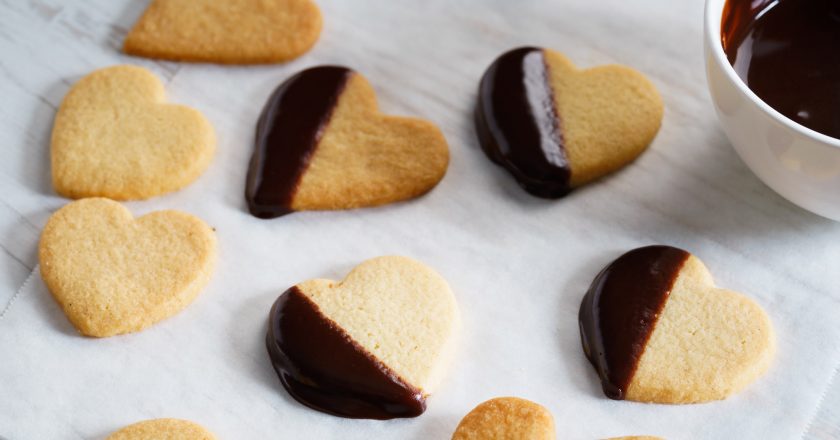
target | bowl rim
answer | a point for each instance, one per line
(713, 17)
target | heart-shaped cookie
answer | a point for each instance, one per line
(112, 274)
(554, 127)
(114, 136)
(163, 429)
(322, 144)
(372, 346)
(226, 31)
(506, 418)
(658, 330)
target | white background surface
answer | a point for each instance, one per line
(518, 265)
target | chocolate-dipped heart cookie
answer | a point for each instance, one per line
(658, 330)
(112, 274)
(554, 127)
(506, 418)
(372, 346)
(322, 144)
(115, 136)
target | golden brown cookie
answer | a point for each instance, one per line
(555, 127)
(374, 345)
(112, 274)
(226, 31)
(322, 144)
(115, 136)
(657, 329)
(162, 429)
(506, 418)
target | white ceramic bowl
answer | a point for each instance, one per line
(800, 164)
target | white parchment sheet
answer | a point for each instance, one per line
(518, 265)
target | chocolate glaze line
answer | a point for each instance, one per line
(324, 369)
(619, 312)
(788, 53)
(288, 131)
(517, 123)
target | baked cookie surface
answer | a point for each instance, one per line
(113, 274)
(657, 329)
(115, 136)
(162, 429)
(226, 31)
(323, 145)
(506, 418)
(555, 127)
(374, 345)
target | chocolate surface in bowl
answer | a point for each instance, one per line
(788, 53)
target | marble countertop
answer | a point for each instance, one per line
(425, 58)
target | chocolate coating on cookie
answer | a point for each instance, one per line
(619, 312)
(517, 123)
(288, 131)
(323, 368)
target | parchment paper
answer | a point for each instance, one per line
(518, 265)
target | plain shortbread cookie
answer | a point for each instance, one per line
(162, 429)
(115, 136)
(114, 274)
(226, 31)
(506, 418)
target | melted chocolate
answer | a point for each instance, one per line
(620, 310)
(517, 123)
(788, 53)
(322, 368)
(288, 131)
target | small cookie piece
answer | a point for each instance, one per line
(322, 144)
(114, 136)
(372, 346)
(506, 418)
(555, 127)
(162, 429)
(112, 274)
(658, 330)
(226, 31)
